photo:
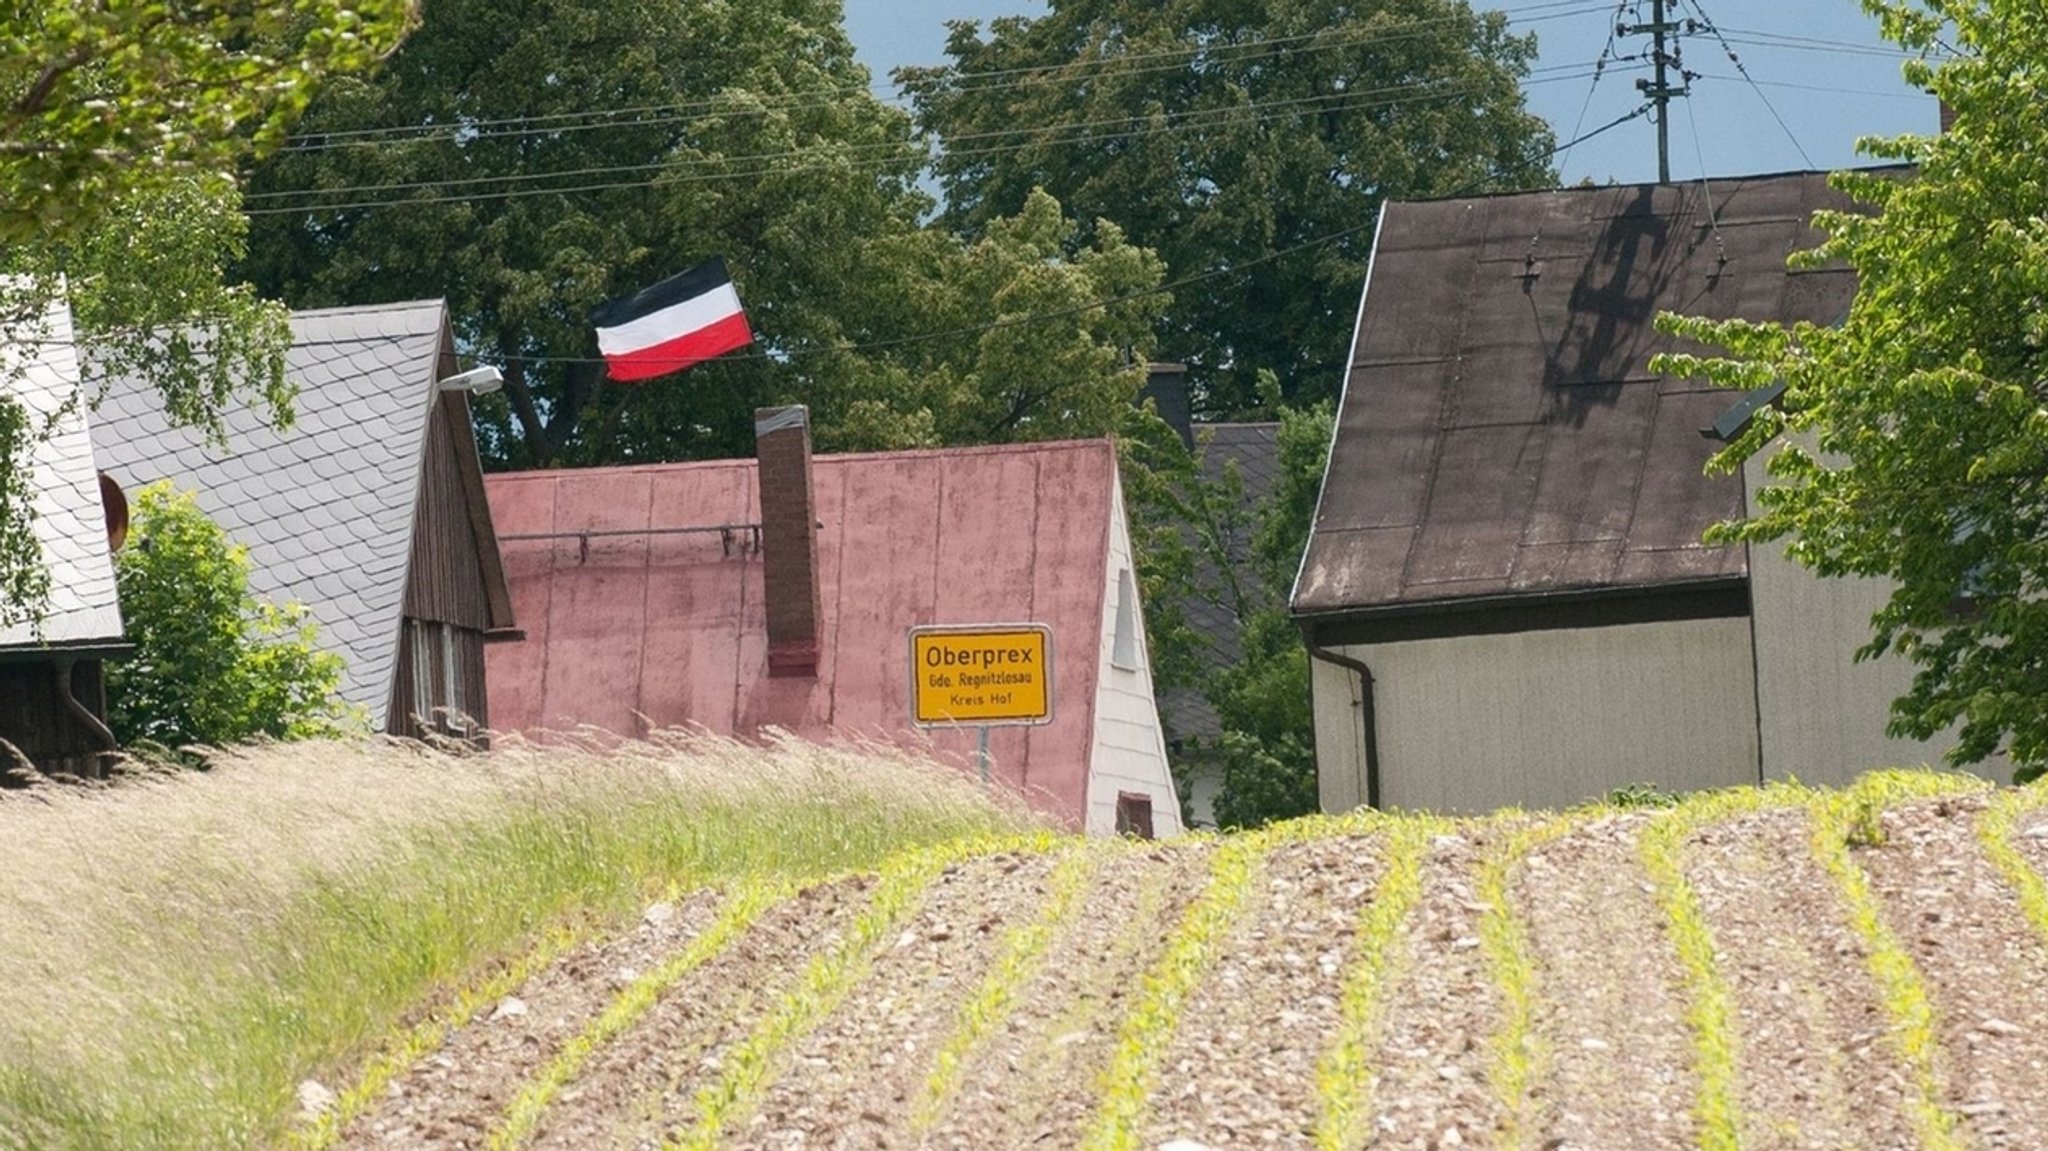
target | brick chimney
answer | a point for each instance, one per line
(789, 540)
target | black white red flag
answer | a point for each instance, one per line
(682, 321)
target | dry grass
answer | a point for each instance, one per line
(179, 950)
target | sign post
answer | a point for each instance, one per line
(982, 676)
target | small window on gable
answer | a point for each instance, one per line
(1134, 814)
(1124, 652)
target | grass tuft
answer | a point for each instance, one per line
(197, 944)
(1504, 940)
(1995, 831)
(1710, 1004)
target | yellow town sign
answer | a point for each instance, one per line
(981, 676)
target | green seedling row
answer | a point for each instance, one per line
(1155, 1011)
(741, 909)
(413, 1044)
(827, 980)
(1344, 1074)
(1854, 816)
(995, 997)
(1504, 940)
(1147, 1031)
(1995, 831)
(1710, 1004)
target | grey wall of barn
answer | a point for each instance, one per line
(1824, 711)
(1542, 718)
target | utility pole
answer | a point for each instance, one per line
(1664, 56)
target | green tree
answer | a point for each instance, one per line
(529, 160)
(1223, 133)
(1926, 408)
(212, 664)
(1203, 541)
(120, 125)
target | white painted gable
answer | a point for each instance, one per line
(40, 370)
(1129, 753)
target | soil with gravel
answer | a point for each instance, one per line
(454, 1096)
(1815, 1067)
(853, 1081)
(1241, 1070)
(1986, 972)
(1035, 1083)
(1612, 1056)
(642, 1089)
(1611, 1022)
(1432, 1089)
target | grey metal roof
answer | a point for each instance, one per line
(41, 371)
(1255, 449)
(326, 508)
(1501, 433)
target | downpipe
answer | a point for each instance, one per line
(61, 669)
(1370, 713)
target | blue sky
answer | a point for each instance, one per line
(1818, 64)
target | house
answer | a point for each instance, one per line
(746, 596)
(53, 706)
(369, 509)
(1505, 595)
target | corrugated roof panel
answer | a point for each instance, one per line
(672, 628)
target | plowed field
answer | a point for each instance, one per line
(1775, 969)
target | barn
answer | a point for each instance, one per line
(369, 509)
(1506, 597)
(746, 597)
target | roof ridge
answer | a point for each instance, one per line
(1035, 446)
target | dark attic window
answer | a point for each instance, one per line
(1134, 815)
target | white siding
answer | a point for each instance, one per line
(1542, 718)
(1130, 748)
(1824, 712)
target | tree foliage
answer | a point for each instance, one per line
(1204, 542)
(212, 664)
(120, 125)
(1225, 134)
(100, 101)
(529, 160)
(1927, 408)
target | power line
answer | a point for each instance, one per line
(1827, 88)
(555, 123)
(1263, 112)
(1062, 313)
(1599, 69)
(1756, 39)
(1708, 22)
(884, 148)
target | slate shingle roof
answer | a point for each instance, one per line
(326, 508)
(83, 610)
(1501, 433)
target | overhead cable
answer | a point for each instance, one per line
(722, 106)
(1062, 313)
(821, 159)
